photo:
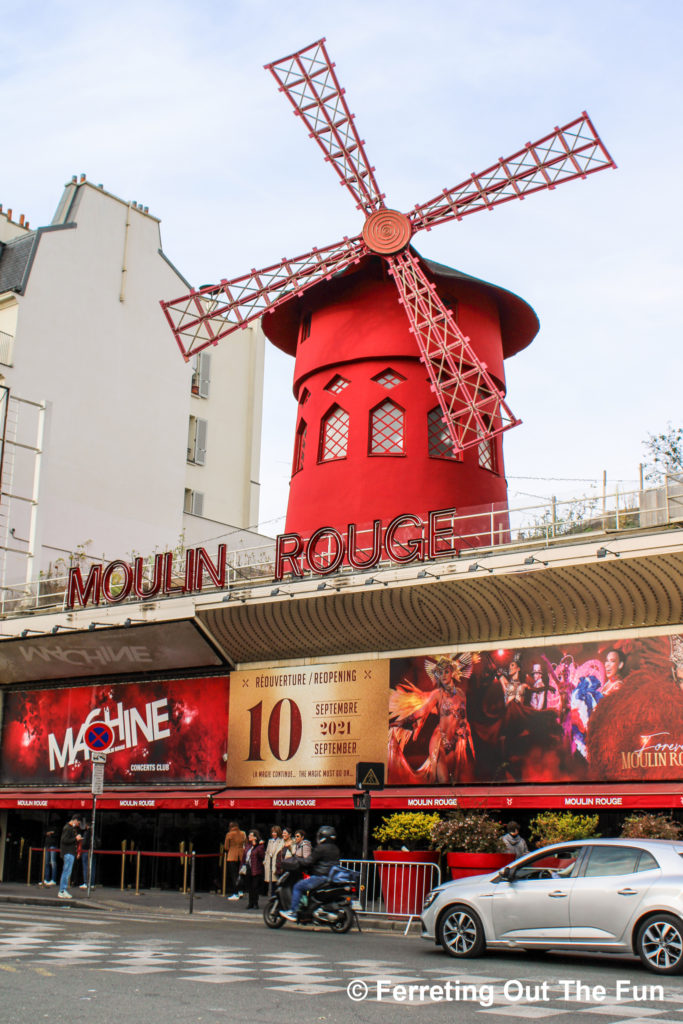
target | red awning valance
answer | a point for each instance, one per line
(598, 797)
(110, 800)
(284, 799)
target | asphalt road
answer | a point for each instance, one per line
(65, 965)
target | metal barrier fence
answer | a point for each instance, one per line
(393, 888)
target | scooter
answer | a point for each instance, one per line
(330, 904)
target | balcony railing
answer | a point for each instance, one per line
(489, 529)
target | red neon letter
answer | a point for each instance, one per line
(436, 532)
(336, 559)
(138, 577)
(413, 545)
(282, 555)
(374, 556)
(216, 572)
(77, 592)
(117, 566)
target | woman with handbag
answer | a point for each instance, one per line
(252, 867)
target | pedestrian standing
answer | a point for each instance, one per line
(86, 842)
(233, 845)
(272, 849)
(68, 845)
(514, 843)
(252, 867)
(51, 845)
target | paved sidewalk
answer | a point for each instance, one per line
(163, 902)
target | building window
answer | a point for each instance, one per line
(337, 384)
(387, 430)
(487, 454)
(299, 447)
(305, 395)
(334, 435)
(440, 445)
(305, 331)
(194, 502)
(201, 373)
(388, 379)
(196, 441)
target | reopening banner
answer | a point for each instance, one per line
(165, 732)
(307, 725)
(605, 711)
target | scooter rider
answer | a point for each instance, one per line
(324, 857)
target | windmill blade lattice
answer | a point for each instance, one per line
(472, 404)
(574, 151)
(203, 317)
(309, 82)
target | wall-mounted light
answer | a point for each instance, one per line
(38, 632)
(423, 572)
(56, 629)
(371, 580)
(476, 565)
(129, 622)
(604, 552)
(94, 625)
(326, 586)
(278, 590)
(531, 559)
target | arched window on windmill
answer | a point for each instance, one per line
(387, 429)
(439, 442)
(334, 435)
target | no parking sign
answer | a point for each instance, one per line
(99, 737)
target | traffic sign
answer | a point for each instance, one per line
(369, 775)
(99, 737)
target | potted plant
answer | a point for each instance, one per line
(560, 827)
(472, 843)
(403, 874)
(651, 826)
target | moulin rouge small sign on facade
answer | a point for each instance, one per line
(407, 538)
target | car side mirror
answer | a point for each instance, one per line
(505, 874)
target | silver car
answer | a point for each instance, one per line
(601, 895)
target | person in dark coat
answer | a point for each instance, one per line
(324, 857)
(252, 860)
(51, 845)
(68, 845)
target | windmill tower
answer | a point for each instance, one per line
(399, 371)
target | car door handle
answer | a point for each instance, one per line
(628, 892)
(557, 895)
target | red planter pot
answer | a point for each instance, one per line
(464, 864)
(405, 879)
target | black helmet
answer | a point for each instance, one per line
(325, 834)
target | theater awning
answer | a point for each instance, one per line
(110, 800)
(598, 797)
(283, 799)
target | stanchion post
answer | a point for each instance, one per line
(225, 871)
(192, 855)
(92, 842)
(124, 847)
(28, 873)
(137, 875)
(184, 856)
(43, 866)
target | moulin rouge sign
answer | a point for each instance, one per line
(407, 538)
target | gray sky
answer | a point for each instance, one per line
(167, 103)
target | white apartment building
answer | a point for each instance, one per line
(111, 444)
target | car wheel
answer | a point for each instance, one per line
(461, 932)
(659, 944)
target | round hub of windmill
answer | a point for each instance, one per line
(387, 231)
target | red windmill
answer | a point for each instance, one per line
(401, 405)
